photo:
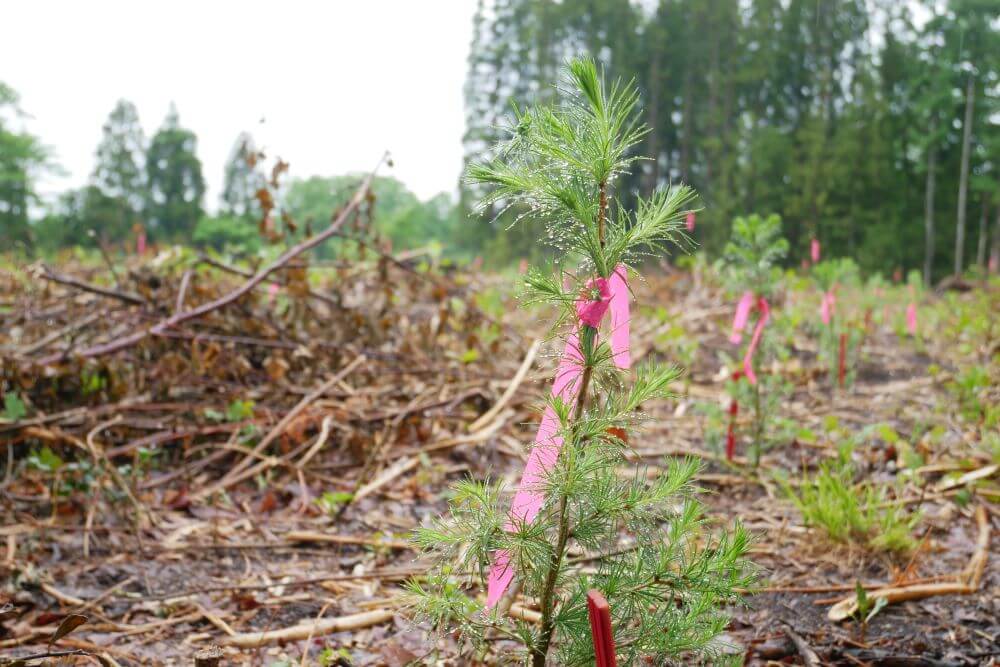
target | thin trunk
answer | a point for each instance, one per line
(687, 128)
(652, 118)
(929, 215)
(981, 248)
(995, 254)
(547, 602)
(963, 182)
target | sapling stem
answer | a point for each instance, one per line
(758, 425)
(547, 602)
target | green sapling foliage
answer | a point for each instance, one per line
(648, 551)
(839, 334)
(752, 257)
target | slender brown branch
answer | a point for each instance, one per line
(70, 281)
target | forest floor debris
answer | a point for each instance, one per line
(249, 478)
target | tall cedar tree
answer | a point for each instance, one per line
(119, 171)
(666, 589)
(176, 184)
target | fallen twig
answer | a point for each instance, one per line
(488, 416)
(314, 629)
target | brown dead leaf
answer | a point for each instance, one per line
(68, 625)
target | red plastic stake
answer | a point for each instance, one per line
(600, 629)
(842, 370)
(734, 410)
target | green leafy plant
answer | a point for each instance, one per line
(972, 390)
(332, 501)
(238, 410)
(752, 254)
(330, 657)
(867, 607)
(45, 460)
(13, 407)
(852, 513)
(666, 589)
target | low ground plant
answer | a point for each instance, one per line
(852, 512)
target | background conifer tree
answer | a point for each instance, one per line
(176, 186)
(121, 156)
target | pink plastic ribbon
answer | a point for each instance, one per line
(911, 318)
(741, 318)
(611, 294)
(826, 306)
(690, 221)
(140, 244)
(814, 250)
(272, 293)
(765, 315)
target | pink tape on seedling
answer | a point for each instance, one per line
(140, 244)
(765, 315)
(911, 319)
(611, 294)
(826, 306)
(814, 250)
(272, 293)
(743, 309)
(620, 318)
(689, 221)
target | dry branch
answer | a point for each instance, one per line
(316, 629)
(488, 416)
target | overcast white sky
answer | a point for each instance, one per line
(337, 82)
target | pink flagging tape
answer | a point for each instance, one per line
(765, 315)
(611, 294)
(911, 318)
(814, 250)
(689, 221)
(620, 318)
(743, 309)
(826, 306)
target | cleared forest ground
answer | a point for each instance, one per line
(249, 478)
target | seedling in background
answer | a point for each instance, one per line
(867, 608)
(839, 334)
(754, 250)
(667, 593)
